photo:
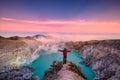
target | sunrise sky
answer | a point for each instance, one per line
(78, 17)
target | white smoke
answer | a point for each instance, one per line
(20, 60)
(48, 46)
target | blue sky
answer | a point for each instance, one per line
(61, 9)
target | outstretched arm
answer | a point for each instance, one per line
(60, 50)
(68, 51)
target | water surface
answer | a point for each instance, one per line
(44, 61)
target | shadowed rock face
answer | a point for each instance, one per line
(103, 56)
(60, 71)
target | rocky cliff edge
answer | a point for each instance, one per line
(102, 55)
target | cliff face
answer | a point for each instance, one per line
(16, 49)
(103, 56)
(31, 42)
(60, 71)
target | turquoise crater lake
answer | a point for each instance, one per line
(43, 62)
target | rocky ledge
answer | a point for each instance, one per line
(103, 56)
(60, 71)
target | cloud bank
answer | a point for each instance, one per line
(65, 26)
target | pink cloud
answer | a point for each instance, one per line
(7, 19)
(66, 26)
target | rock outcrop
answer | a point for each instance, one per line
(14, 73)
(60, 71)
(103, 56)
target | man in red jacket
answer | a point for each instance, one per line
(65, 51)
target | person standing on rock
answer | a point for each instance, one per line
(65, 51)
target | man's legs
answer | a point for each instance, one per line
(64, 60)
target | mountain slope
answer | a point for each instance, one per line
(16, 49)
(102, 55)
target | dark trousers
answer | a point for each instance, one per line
(64, 59)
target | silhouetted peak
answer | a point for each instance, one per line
(42, 36)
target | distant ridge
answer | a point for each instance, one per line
(1, 37)
(42, 36)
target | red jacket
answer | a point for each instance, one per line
(64, 52)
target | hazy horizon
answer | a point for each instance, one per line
(64, 36)
(73, 19)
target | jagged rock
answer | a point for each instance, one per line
(103, 56)
(14, 73)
